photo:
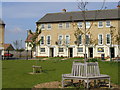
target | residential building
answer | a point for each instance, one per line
(58, 34)
(2, 29)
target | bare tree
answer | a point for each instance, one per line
(82, 5)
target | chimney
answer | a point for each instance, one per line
(64, 10)
(118, 4)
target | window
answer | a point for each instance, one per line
(87, 24)
(108, 24)
(60, 25)
(67, 39)
(79, 24)
(67, 25)
(80, 49)
(100, 24)
(87, 39)
(101, 49)
(49, 26)
(60, 49)
(42, 26)
(100, 39)
(80, 39)
(42, 40)
(60, 40)
(42, 49)
(48, 40)
(108, 38)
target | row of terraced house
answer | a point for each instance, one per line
(59, 30)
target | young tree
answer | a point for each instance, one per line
(84, 31)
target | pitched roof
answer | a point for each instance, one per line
(29, 38)
(77, 16)
(8, 47)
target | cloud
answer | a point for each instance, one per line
(15, 30)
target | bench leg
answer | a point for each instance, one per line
(62, 83)
(87, 83)
(109, 82)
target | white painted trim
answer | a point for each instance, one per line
(47, 38)
(66, 25)
(106, 23)
(106, 38)
(49, 28)
(59, 25)
(43, 39)
(102, 24)
(102, 39)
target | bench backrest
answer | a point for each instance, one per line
(85, 69)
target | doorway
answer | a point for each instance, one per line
(91, 52)
(112, 50)
(51, 52)
(70, 52)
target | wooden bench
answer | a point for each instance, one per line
(85, 72)
(37, 69)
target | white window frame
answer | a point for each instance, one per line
(81, 40)
(68, 25)
(43, 40)
(80, 25)
(86, 39)
(109, 38)
(47, 39)
(61, 40)
(60, 25)
(42, 28)
(88, 23)
(79, 51)
(99, 24)
(66, 39)
(109, 25)
(99, 39)
(61, 50)
(50, 26)
(42, 51)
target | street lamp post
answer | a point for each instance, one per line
(27, 47)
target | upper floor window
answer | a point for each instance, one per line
(79, 24)
(100, 39)
(49, 26)
(80, 39)
(108, 40)
(42, 26)
(67, 25)
(67, 41)
(48, 40)
(60, 39)
(87, 39)
(100, 24)
(60, 25)
(42, 40)
(87, 24)
(108, 24)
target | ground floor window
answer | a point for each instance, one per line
(101, 49)
(80, 49)
(42, 49)
(61, 50)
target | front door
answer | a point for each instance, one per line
(51, 52)
(91, 52)
(70, 52)
(112, 52)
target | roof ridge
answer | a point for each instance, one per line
(80, 11)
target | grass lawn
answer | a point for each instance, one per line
(15, 73)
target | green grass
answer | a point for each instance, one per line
(16, 72)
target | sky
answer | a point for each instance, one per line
(22, 16)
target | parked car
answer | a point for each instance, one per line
(8, 55)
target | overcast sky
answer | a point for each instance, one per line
(20, 16)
